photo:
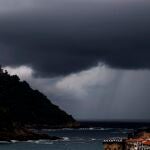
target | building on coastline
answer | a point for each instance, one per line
(139, 140)
(146, 145)
(144, 135)
(133, 144)
(137, 144)
(126, 144)
(114, 144)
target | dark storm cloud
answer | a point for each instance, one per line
(61, 37)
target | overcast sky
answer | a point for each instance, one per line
(90, 57)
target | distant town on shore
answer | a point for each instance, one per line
(138, 140)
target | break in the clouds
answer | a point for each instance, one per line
(96, 93)
(66, 36)
(91, 57)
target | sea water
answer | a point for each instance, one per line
(73, 139)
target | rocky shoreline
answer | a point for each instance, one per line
(25, 135)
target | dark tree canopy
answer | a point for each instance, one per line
(20, 104)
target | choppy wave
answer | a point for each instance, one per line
(14, 141)
(40, 141)
(71, 129)
(66, 139)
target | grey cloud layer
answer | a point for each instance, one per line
(61, 37)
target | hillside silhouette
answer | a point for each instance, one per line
(20, 105)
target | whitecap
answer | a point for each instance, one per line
(66, 139)
(93, 139)
(14, 141)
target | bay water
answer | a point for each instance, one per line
(73, 139)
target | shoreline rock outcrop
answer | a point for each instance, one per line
(25, 135)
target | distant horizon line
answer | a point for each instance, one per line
(116, 120)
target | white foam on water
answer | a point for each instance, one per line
(91, 128)
(14, 141)
(93, 139)
(40, 141)
(66, 139)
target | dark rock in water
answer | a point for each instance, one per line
(24, 135)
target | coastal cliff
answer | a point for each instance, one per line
(23, 107)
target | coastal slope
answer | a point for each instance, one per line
(22, 106)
